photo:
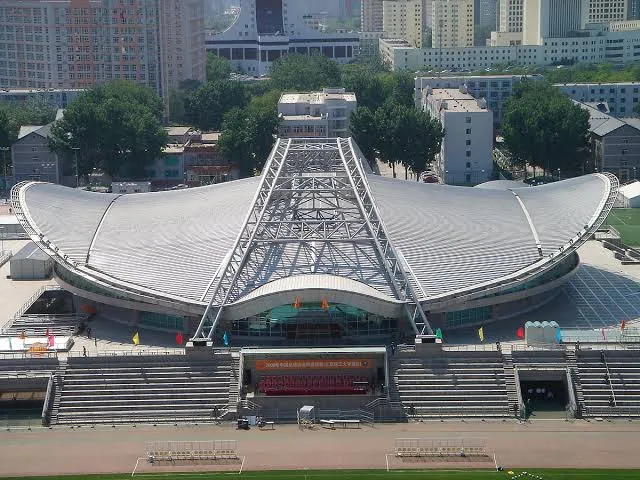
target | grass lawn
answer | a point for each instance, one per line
(545, 474)
(627, 222)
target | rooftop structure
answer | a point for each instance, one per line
(317, 232)
(316, 114)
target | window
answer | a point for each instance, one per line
(468, 154)
(468, 163)
(467, 119)
(468, 142)
(468, 131)
(467, 178)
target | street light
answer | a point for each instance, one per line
(75, 153)
(558, 174)
(634, 173)
(4, 151)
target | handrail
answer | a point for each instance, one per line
(606, 366)
(46, 407)
(133, 352)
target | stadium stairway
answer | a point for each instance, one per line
(510, 382)
(572, 363)
(618, 376)
(144, 389)
(454, 384)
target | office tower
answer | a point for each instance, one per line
(452, 23)
(403, 19)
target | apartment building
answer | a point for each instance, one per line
(403, 19)
(602, 11)
(495, 89)
(77, 43)
(56, 97)
(511, 15)
(487, 13)
(452, 23)
(621, 98)
(316, 114)
(602, 44)
(371, 15)
(466, 155)
(615, 142)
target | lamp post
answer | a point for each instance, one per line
(558, 174)
(75, 154)
(634, 173)
(4, 151)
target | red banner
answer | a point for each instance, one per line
(313, 364)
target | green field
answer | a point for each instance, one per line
(545, 474)
(627, 222)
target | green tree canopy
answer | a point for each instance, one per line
(5, 130)
(303, 73)
(218, 68)
(115, 127)
(363, 127)
(544, 128)
(33, 111)
(206, 107)
(248, 134)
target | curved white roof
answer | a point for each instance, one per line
(451, 240)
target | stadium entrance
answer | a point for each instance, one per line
(545, 394)
(314, 324)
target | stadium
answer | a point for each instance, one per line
(316, 250)
(317, 294)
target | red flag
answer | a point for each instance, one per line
(602, 332)
(52, 340)
(179, 338)
(520, 332)
(623, 324)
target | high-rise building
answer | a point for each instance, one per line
(452, 23)
(633, 10)
(550, 19)
(403, 19)
(371, 15)
(266, 30)
(78, 43)
(487, 13)
(511, 15)
(602, 11)
(427, 10)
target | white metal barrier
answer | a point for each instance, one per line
(441, 447)
(169, 451)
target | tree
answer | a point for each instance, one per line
(33, 111)
(424, 139)
(115, 127)
(5, 129)
(364, 130)
(218, 68)
(206, 107)
(544, 128)
(304, 73)
(248, 134)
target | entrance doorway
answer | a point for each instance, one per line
(545, 398)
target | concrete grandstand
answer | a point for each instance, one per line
(311, 272)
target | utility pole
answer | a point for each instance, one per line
(75, 154)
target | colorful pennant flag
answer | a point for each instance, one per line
(52, 341)
(623, 325)
(603, 335)
(325, 304)
(439, 333)
(481, 333)
(46, 333)
(179, 338)
(136, 339)
(297, 303)
(558, 336)
(225, 339)
(520, 332)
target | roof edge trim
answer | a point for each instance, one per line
(534, 232)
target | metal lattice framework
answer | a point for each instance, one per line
(314, 198)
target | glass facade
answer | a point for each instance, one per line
(466, 317)
(311, 321)
(160, 320)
